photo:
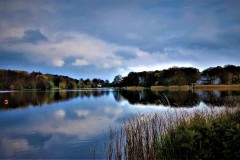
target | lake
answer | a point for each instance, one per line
(70, 123)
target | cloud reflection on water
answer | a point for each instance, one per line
(69, 128)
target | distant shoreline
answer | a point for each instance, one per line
(219, 86)
(188, 87)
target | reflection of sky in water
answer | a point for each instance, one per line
(68, 129)
(205, 95)
(59, 130)
(56, 127)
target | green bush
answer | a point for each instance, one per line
(201, 138)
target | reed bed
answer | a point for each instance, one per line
(140, 136)
(197, 87)
(171, 88)
(217, 86)
(135, 88)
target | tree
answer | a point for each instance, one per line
(132, 79)
(117, 80)
(106, 83)
(95, 82)
(50, 85)
(42, 82)
(72, 85)
(81, 83)
(56, 81)
(62, 84)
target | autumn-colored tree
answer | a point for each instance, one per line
(42, 82)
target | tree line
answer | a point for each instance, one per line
(20, 80)
(229, 74)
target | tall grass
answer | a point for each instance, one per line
(197, 87)
(135, 88)
(171, 88)
(217, 86)
(144, 136)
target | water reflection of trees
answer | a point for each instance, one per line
(174, 99)
(16, 100)
(180, 98)
(220, 98)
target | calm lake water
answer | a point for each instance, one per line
(68, 124)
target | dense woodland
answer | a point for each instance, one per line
(19, 80)
(228, 74)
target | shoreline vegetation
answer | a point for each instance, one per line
(175, 78)
(23, 80)
(202, 134)
(197, 87)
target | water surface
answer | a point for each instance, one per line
(68, 124)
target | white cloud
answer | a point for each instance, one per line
(60, 114)
(114, 112)
(58, 62)
(80, 62)
(11, 146)
(13, 32)
(92, 51)
(158, 67)
(82, 128)
(82, 113)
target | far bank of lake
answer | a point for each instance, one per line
(189, 87)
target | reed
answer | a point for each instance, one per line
(136, 139)
(146, 136)
(135, 88)
(197, 87)
(217, 86)
(160, 88)
(171, 88)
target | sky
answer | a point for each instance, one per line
(104, 38)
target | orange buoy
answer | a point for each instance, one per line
(6, 101)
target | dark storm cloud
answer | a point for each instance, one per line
(10, 58)
(126, 55)
(230, 38)
(197, 44)
(33, 36)
(30, 36)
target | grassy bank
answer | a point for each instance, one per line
(175, 135)
(171, 88)
(135, 88)
(219, 87)
(197, 87)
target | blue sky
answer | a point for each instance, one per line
(104, 38)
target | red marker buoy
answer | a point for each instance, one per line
(6, 101)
